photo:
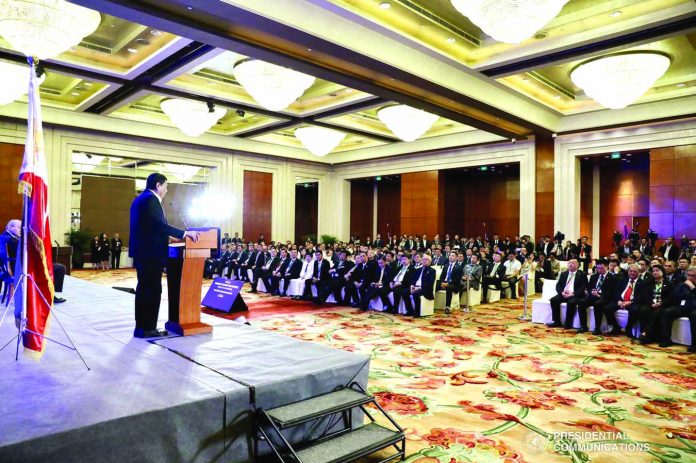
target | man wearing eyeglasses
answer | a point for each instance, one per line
(685, 306)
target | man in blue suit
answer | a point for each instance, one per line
(149, 248)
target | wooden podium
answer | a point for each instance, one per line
(184, 279)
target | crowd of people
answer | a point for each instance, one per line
(355, 272)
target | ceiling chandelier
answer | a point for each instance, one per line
(319, 141)
(616, 81)
(14, 81)
(406, 122)
(182, 173)
(45, 28)
(510, 21)
(192, 117)
(86, 162)
(273, 87)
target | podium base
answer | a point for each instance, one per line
(188, 329)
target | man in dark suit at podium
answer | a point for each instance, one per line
(149, 248)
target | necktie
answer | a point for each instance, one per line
(629, 291)
(569, 283)
(449, 271)
(381, 275)
(599, 282)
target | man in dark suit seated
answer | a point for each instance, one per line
(599, 293)
(149, 248)
(626, 298)
(336, 281)
(257, 267)
(684, 306)
(272, 280)
(263, 272)
(292, 271)
(422, 284)
(400, 284)
(379, 286)
(494, 275)
(360, 279)
(570, 289)
(320, 274)
(450, 280)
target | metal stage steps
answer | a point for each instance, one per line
(343, 446)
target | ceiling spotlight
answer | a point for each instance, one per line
(385, 5)
(155, 32)
(451, 40)
(75, 93)
(616, 14)
(189, 7)
(681, 84)
(554, 135)
(514, 140)
(557, 97)
(132, 50)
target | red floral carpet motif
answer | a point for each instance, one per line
(484, 387)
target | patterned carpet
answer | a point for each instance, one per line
(484, 387)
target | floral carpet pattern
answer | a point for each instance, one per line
(486, 387)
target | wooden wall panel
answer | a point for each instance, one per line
(257, 208)
(544, 146)
(105, 205)
(472, 201)
(421, 206)
(389, 207)
(586, 198)
(624, 198)
(361, 208)
(306, 211)
(673, 191)
(10, 162)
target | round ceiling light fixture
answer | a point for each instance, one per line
(45, 28)
(406, 122)
(510, 21)
(319, 141)
(273, 87)
(616, 81)
(14, 81)
(191, 117)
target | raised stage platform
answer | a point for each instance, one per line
(171, 400)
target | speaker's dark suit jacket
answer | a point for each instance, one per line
(149, 229)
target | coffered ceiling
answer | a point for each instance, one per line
(365, 55)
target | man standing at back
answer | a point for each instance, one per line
(149, 248)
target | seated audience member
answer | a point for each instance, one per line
(543, 272)
(305, 272)
(512, 273)
(320, 275)
(570, 289)
(598, 294)
(615, 268)
(684, 306)
(292, 271)
(401, 283)
(555, 267)
(422, 284)
(249, 260)
(654, 297)
(643, 269)
(266, 270)
(683, 267)
(272, 281)
(337, 282)
(438, 259)
(494, 275)
(379, 286)
(472, 274)
(626, 298)
(671, 274)
(360, 279)
(257, 266)
(242, 256)
(450, 280)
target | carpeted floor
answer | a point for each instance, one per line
(484, 387)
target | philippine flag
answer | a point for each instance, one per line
(39, 270)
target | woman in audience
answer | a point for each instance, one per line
(104, 240)
(655, 296)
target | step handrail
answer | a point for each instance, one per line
(374, 401)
